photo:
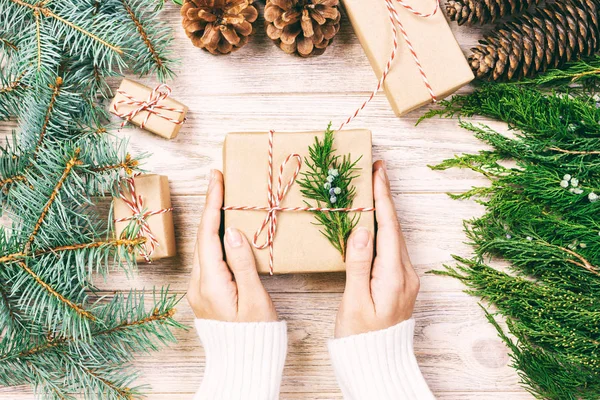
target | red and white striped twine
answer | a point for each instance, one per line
(274, 200)
(136, 205)
(150, 105)
(396, 22)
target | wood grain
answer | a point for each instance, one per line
(261, 88)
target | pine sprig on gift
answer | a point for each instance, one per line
(543, 217)
(328, 182)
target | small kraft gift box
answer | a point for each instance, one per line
(150, 109)
(428, 64)
(144, 205)
(264, 198)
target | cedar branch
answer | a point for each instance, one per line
(78, 246)
(42, 9)
(69, 167)
(585, 264)
(143, 33)
(77, 308)
(586, 153)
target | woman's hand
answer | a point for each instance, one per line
(225, 291)
(381, 293)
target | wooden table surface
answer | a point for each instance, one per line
(260, 88)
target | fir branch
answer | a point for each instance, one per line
(156, 317)
(328, 182)
(54, 293)
(58, 239)
(140, 28)
(68, 168)
(55, 92)
(112, 243)
(14, 85)
(41, 8)
(129, 164)
(6, 43)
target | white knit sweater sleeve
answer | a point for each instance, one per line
(244, 361)
(379, 365)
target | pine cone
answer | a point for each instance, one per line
(304, 27)
(218, 26)
(548, 37)
(484, 11)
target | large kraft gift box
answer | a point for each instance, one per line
(299, 246)
(156, 196)
(158, 122)
(440, 55)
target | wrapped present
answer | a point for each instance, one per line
(428, 64)
(277, 218)
(150, 109)
(144, 205)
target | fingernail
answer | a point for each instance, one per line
(234, 238)
(360, 238)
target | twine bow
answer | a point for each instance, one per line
(274, 200)
(396, 24)
(136, 205)
(151, 106)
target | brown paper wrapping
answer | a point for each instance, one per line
(440, 55)
(156, 195)
(155, 124)
(299, 246)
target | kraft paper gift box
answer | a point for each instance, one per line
(299, 246)
(168, 115)
(440, 55)
(155, 197)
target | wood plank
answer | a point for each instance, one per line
(27, 395)
(457, 350)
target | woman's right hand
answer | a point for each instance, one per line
(379, 293)
(225, 291)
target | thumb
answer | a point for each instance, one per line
(241, 262)
(359, 258)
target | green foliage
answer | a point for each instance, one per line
(92, 38)
(315, 186)
(543, 217)
(581, 74)
(57, 333)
